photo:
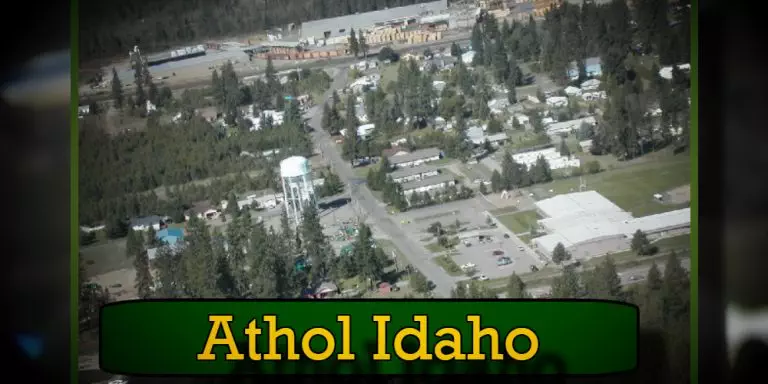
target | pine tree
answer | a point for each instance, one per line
(371, 265)
(419, 283)
(362, 45)
(354, 46)
(494, 125)
(141, 97)
(117, 89)
(455, 50)
(351, 138)
(560, 254)
(567, 286)
(603, 282)
(316, 246)
(460, 291)
(516, 288)
(564, 150)
(640, 243)
(199, 262)
(134, 243)
(143, 275)
(675, 290)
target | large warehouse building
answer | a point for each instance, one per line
(590, 225)
(338, 27)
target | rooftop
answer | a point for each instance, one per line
(336, 25)
(201, 207)
(576, 203)
(405, 172)
(146, 220)
(439, 179)
(415, 155)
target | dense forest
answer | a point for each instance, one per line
(112, 28)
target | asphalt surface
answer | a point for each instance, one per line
(376, 211)
(628, 276)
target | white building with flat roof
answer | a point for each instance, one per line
(590, 225)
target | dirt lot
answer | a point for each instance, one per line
(679, 195)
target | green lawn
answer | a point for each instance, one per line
(525, 238)
(388, 74)
(526, 139)
(680, 243)
(520, 222)
(504, 211)
(105, 257)
(447, 263)
(632, 187)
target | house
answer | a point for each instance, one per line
(201, 210)
(522, 119)
(146, 222)
(557, 101)
(406, 175)
(477, 136)
(325, 290)
(468, 57)
(593, 96)
(592, 66)
(590, 85)
(533, 99)
(666, 72)
(394, 151)
(276, 116)
(210, 114)
(438, 85)
(415, 158)
(569, 126)
(429, 184)
(170, 236)
(585, 145)
(364, 131)
(572, 91)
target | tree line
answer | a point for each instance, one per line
(112, 29)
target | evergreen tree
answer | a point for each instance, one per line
(455, 50)
(516, 288)
(494, 126)
(567, 285)
(199, 262)
(511, 91)
(316, 246)
(117, 89)
(141, 97)
(143, 275)
(460, 291)
(497, 184)
(232, 208)
(134, 243)
(354, 46)
(272, 279)
(171, 276)
(371, 265)
(560, 254)
(419, 283)
(675, 290)
(603, 282)
(640, 243)
(363, 45)
(351, 138)
(564, 150)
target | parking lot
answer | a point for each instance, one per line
(485, 254)
(473, 223)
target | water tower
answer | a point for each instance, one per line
(298, 191)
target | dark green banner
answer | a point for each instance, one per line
(368, 336)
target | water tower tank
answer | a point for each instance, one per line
(298, 191)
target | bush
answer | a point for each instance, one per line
(387, 53)
(593, 166)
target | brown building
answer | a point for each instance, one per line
(540, 7)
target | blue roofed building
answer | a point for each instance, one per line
(170, 236)
(592, 65)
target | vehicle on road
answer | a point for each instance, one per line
(482, 277)
(506, 235)
(534, 268)
(503, 261)
(634, 278)
(520, 248)
(498, 252)
(468, 266)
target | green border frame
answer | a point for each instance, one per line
(74, 246)
(693, 133)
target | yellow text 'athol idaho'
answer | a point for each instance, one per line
(447, 347)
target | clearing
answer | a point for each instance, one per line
(631, 187)
(520, 222)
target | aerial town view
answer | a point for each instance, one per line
(387, 149)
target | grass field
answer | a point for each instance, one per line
(520, 222)
(388, 74)
(632, 187)
(449, 266)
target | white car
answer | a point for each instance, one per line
(483, 278)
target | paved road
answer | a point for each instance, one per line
(628, 277)
(415, 253)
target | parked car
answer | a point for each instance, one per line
(482, 278)
(498, 252)
(503, 261)
(506, 235)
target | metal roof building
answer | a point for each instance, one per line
(420, 154)
(340, 26)
(405, 172)
(436, 180)
(585, 217)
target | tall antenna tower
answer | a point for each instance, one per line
(582, 184)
